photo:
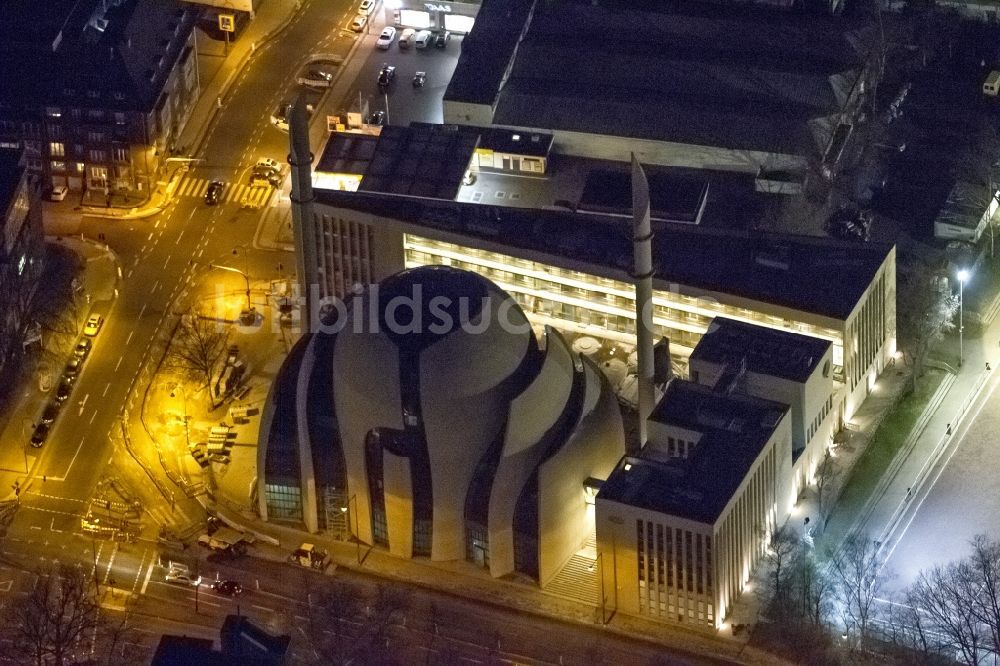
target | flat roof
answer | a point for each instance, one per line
(816, 275)
(735, 428)
(347, 152)
(767, 351)
(420, 160)
(742, 78)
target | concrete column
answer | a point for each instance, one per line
(303, 225)
(642, 241)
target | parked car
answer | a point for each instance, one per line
(385, 39)
(82, 348)
(50, 413)
(58, 193)
(308, 555)
(93, 325)
(229, 588)
(65, 388)
(73, 367)
(366, 7)
(406, 38)
(376, 117)
(214, 192)
(39, 436)
(266, 163)
(441, 39)
(423, 39)
(419, 79)
(386, 75)
(358, 24)
(320, 74)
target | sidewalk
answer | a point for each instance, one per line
(466, 581)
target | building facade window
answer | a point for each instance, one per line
(119, 118)
(58, 165)
(57, 149)
(283, 502)
(53, 112)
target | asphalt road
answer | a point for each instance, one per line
(958, 500)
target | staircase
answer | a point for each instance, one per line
(579, 578)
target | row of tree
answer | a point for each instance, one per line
(839, 610)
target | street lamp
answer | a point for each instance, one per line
(963, 275)
(247, 314)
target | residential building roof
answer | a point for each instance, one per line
(10, 176)
(766, 351)
(734, 430)
(91, 53)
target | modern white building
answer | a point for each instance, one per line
(681, 526)
(456, 434)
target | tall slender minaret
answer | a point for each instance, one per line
(300, 158)
(642, 273)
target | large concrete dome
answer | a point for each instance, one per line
(442, 427)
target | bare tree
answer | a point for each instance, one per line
(336, 604)
(926, 309)
(981, 169)
(946, 596)
(857, 580)
(59, 615)
(984, 563)
(813, 587)
(782, 547)
(199, 343)
(389, 607)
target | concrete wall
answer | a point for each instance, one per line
(593, 451)
(465, 113)
(532, 414)
(398, 489)
(367, 396)
(464, 406)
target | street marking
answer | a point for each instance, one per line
(129, 273)
(264, 608)
(56, 497)
(142, 310)
(68, 468)
(120, 359)
(34, 527)
(149, 574)
(179, 236)
(155, 285)
(92, 416)
(6, 585)
(149, 238)
(111, 560)
(128, 340)
(167, 261)
(106, 389)
(52, 527)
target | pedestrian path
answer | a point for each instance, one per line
(252, 195)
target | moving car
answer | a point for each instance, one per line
(385, 39)
(319, 74)
(49, 415)
(58, 193)
(266, 163)
(93, 325)
(406, 38)
(82, 348)
(229, 588)
(423, 39)
(180, 576)
(376, 117)
(386, 75)
(40, 434)
(441, 39)
(366, 6)
(214, 192)
(280, 118)
(358, 24)
(419, 79)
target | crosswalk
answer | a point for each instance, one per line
(241, 193)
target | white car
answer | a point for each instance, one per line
(406, 38)
(385, 39)
(366, 7)
(59, 191)
(93, 325)
(358, 24)
(181, 575)
(266, 163)
(423, 39)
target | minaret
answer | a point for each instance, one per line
(642, 273)
(300, 158)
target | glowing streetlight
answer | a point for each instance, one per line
(963, 275)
